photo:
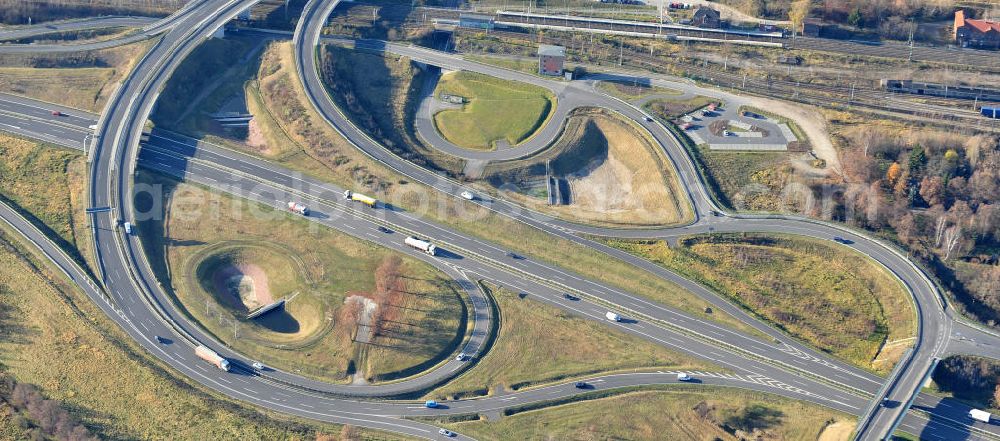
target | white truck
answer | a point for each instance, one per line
(613, 317)
(298, 208)
(980, 415)
(367, 200)
(204, 353)
(421, 245)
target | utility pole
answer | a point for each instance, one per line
(913, 27)
(852, 94)
(744, 81)
(621, 50)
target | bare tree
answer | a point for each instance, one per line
(952, 236)
(939, 230)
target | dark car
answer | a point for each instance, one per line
(384, 229)
(581, 385)
(57, 113)
(158, 338)
(569, 296)
(515, 256)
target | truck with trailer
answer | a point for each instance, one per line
(367, 200)
(295, 207)
(204, 353)
(980, 415)
(421, 245)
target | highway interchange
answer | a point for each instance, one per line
(786, 368)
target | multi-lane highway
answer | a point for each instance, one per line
(787, 368)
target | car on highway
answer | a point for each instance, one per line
(446, 432)
(839, 239)
(384, 229)
(468, 195)
(57, 113)
(683, 377)
(258, 365)
(158, 338)
(514, 255)
(727, 133)
(128, 227)
(461, 356)
(581, 385)
(431, 404)
(648, 119)
(570, 297)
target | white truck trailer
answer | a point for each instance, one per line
(980, 415)
(421, 245)
(298, 208)
(367, 200)
(204, 353)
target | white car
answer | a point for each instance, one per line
(446, 432)
(128, 227)
(258, 365)
(683, 377)
(468, 195)
(461, 356)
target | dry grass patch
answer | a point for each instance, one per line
(615, 175)
(56, 339)
(838, 300)
(84, 81)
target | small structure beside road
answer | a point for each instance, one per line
(551, 59)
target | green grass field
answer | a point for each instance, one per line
(538, 343)
(671, 413)
(837, 300)
(496, 110)
(316, 337)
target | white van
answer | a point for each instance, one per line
(613, 317)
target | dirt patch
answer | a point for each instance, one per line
(812, 123)
(838, 431)
(256, 139)
(607, 187)
(242, 286)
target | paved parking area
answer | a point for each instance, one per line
(738, 131)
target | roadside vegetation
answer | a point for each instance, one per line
(307, 144)
(974, 380)
(834, 299)
(352, 307)
(18, 12)
(495, 110)
(537, 344)
(47, 185)
(676, 413)
(58, 344)
(607, 171)
(84, 80)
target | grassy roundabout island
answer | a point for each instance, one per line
(495, 110)
(353, 310)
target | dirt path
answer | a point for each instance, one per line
(839, 431)
(811, 122)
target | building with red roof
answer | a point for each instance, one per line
(983, 34)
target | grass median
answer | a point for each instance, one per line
(674, 413)
(537, 344)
